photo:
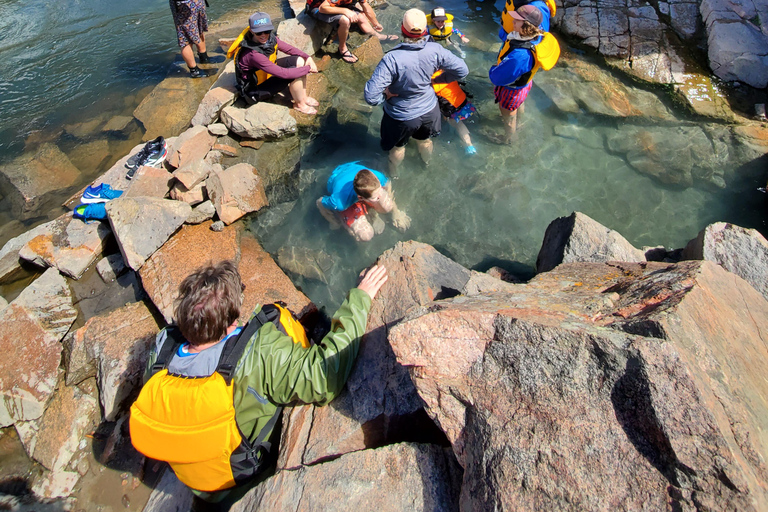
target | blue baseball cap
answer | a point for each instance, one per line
(260, 22)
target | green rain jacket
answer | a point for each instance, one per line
(274, 371)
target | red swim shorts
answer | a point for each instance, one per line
(511, 99)
(354, 212)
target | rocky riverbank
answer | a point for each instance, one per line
(618, 375)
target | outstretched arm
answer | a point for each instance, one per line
(371, 15)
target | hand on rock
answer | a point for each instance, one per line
(373, 279)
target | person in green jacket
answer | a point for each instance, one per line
(274, 369)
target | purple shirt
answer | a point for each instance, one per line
(253, 61)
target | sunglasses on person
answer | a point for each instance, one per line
(262, 33)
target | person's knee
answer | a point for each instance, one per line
(344, 22)
(300, 61)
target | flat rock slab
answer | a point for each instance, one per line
(394, 478)
(266, 283)
(741, 251)
(68, 244)
(143, 225)
(202, 212)
(260, 121)
(580, 238)
(303, 32)
(379, 404)
(191, 248)
(31, 328)
(236, 191)
(635, 384)
(191, 145)
(194, 196)
(150, 182)
(193, 173)
(31, 181)
(9, 254)
(278, 163)
(222, 94)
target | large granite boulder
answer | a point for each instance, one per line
(580, 238)
(303, 32)
(260, 121)
(150, 182)
(191, 145)
(739, 250)
(379, 405)
(390, 479)
(193, 173)
(31, 181)
(191, 248)
(112, 347)
(10, 264)
(142, 225)
(279, 164)
(236, 191)
(628, 386)
(222, 94)
(67, 244)
(31, 328)
(169, 495)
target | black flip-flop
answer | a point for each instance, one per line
(347, 54)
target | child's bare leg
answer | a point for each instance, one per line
(396, 156)
(463, 132)
(425, 149)
(327, 214)
(361, 230)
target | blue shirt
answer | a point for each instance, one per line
(341, 186)
(520, 60)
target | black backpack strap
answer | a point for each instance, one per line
(235, 346)
(173, 340)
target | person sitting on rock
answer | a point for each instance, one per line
(341, 14)
(356, 196)
(260, 74)
(214, 390)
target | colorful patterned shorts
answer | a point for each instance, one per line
(511, 99)
(354, 212)
(465, 113)
(190, 19)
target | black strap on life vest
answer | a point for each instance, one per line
(173, 340)
(235, 346)
(527, 45)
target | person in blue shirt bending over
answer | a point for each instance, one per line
(357, 196)
(527, 46)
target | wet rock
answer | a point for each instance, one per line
(193, 173)
(369, 53)
(30, 182)
(150, 182)
(752, 139)
(169, 108)
(698, 90)
(372, 412)
(117, 124)
(9, 254)
(393, 478)
(112, 347)
(266, 283)
(191, 145)
(576, 86)
(142, 225)
(111, 267)
(589, 137)
(594, 384)
(67, 244)
(189, 249)
(218, 129)
(259, 121)
(278, 163)
(197, 195)
(40, 316)
(54, 439)
(236, 191)
(580, 238)
(201, 213)
(222, 94)
(91, 155)
(672, 155)
(169, 495)
(303, 32)
(304, 262)
(50, 485)
(85, 129)
(741, 251)
(737, 41)
(318, 87)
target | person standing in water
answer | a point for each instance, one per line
(402, 81)
(356, 197)
(456, 108)
(527, 46)
(440, 26)
(191, 22)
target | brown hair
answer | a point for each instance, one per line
(366, 183)
(530, 30)
(209, 302)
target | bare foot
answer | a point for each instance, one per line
(305, 109)
(312, 102)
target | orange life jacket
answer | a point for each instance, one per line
(452, 92)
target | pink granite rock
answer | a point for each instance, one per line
(236, 191)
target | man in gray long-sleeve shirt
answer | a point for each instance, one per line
(403, 82)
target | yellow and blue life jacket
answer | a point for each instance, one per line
(545, 56)
(512, 5)
(190, 422)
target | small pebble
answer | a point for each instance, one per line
(126, 501)
(217, 226)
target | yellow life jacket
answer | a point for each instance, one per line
(545, 55)
(234, 51)
(190, 422)
(506, 19)
(451, 92)
(443, 33)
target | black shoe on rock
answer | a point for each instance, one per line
(203, 58)
(196, 72)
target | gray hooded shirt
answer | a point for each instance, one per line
(407, 70)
